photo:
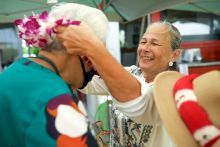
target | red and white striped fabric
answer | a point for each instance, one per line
(193, 115)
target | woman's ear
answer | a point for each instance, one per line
(176, 54)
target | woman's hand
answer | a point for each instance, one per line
(77, 39)
(81, 40)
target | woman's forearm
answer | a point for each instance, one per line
(122, 85)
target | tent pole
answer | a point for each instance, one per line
(142, 27)
(148, 19)
(142, 30)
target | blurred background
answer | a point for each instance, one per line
(197, 20)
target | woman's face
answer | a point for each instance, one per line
(154, 50)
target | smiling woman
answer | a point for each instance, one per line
(158, 49)
(134, 118)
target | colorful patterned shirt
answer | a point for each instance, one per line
(39, 109)
(135, 123)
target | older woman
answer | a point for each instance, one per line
(135, 120)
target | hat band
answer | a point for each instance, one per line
(193, 115)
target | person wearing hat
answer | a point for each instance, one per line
(38, 108)
(189, 107)
(134, 120)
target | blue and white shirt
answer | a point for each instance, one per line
(136, 122)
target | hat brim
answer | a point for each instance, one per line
(207, 90)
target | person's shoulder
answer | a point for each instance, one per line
(133, 69)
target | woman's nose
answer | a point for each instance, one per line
(145, 47)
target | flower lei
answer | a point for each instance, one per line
(38, 29)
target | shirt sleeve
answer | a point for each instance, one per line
(139, 109)
(96, 86)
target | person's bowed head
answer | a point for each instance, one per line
(189, 107)
(48, 30)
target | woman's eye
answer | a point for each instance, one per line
(156, 44)
(142, 42)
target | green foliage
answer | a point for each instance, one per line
(30, 50)
(34, 50)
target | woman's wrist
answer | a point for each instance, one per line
(94, 49)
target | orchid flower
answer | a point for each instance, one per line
(37, 30)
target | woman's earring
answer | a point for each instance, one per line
(170, 63)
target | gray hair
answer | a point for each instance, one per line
(93, 17)
(175, 38)
(175, 35)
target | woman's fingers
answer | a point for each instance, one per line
(75, 38)
(59, 29)
(61, 33)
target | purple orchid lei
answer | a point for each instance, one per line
(37, 30)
